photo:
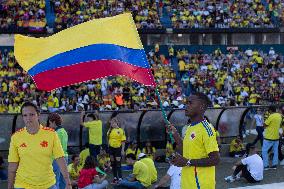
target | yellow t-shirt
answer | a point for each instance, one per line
(83, 155)
(233, 148)
(273, 123)
(116, 137)
(199, 141)
(142, 173)
(130, 151)
(95, 131)
(151, 166)
(34, 154)
(74, 174)
(169, 149)
(103, 160)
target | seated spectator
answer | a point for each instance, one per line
(104, 160)
(169, 149)
(237, 147)
(133, 149)
(89, 177)
(173, 175)
(74, 169)
(3, 170)
(149, 150)
(151, 166)
(140, 177)
(84, 154)
(251, 167)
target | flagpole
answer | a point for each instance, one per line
(164, 114)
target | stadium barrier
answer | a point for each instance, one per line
(140, 125)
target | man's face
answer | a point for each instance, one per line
(30, 116)
(193, 106)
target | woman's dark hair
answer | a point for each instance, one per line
(29, 104)
(131, 156)
(90, 163)
(74, 156)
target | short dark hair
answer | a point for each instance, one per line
(29, 104)
(93, 116)
(131, 156)
(55, 117)
(204, 98)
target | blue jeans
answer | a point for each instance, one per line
(3, 174)
(94, 150)
(125, 183)
(265, 147)
(52, 187)
(60, 182)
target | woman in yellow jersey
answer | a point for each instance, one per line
(133, 149)
(149, 150)
(30, 153)
(116, 141)
(74, 169)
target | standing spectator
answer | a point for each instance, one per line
(89, 177)
(200, 147)
(259, 127)
(32, 147)
(116, 141)
(54, 121)
(251, 167)
(271, 137)
(94, 124)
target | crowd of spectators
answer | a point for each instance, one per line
(234, 78)
(24, 15)
(70, 12)
(221, 14)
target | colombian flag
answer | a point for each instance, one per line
(94, 49)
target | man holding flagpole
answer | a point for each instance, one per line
(200, 153)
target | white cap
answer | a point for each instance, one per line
(141, 155)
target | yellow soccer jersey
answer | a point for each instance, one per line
(95, 131)
(74, 173)
(273, 123)
(116, 137)
(130, 151)
(34, 154)
(199, 141)
(142, 173)
(151, 166)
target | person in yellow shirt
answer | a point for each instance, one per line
(200, 153)
(84, 154)
(271, 137)
(149, 150)
(104, 160)
(133, 149)
(237, 148)
(140, 178)
(94, 124)
(74, 169)
(116, 141)
(151, 166)
(31, 151)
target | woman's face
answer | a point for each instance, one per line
(30, 116)
(76, 161)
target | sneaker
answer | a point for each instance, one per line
(230, 179)
(114, 181)
(266, 168)
(273, 167)
(282, 162)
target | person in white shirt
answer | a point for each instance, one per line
(251, 167)
(259, 127)
(173, 174)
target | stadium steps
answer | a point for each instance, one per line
(50, 14)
